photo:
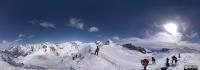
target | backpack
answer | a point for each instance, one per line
(146, 62)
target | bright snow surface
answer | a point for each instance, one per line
(111, 57)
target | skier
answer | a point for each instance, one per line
(174, 59)
(153, 60)
(145, 62)
(167, 62)
(179, 55)
(97, 51)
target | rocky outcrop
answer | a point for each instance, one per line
(139, 49)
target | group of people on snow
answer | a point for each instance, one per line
(79, 54)
(145, 62)
(174, 61)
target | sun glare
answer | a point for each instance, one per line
(171, 28)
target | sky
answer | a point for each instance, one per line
(90, 20)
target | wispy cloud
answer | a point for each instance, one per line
(46, 24)
(192, 35)
(159, 37)
(34, 21)
(99, 35)
(149, 43)
(93, 29)
(116, 37)
(23, 36)
(77, 23)
(166, 37)
(4, 41)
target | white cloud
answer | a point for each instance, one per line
(3, 45)
(7, 44)
(171, 32)
(163, 33)
(77, 23)
(166, 37)
(44, 24)
(22, 36)
(93, 29)
(149, 43)
(4, 41)
(192, 35)
(47, 25)
(160, 38)
(34, 21)
(116, 38)
(99, 36)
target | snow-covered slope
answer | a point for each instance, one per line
(111, 57)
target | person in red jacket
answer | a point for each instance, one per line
(97, 51)
(145, 63)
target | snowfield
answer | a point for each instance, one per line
(112, 56)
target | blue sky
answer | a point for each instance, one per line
(90, 20)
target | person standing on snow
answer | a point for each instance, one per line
(167, 62)
(97, 51)
(179, 55)
(153, 60)
(145, 63)
(174, 59)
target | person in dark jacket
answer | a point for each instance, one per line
(167, 62)
(174, 59)
(179, 55)
(153, 60)
(97, 51)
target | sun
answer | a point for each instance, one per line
(172, 28)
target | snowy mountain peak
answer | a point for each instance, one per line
(77, 55)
